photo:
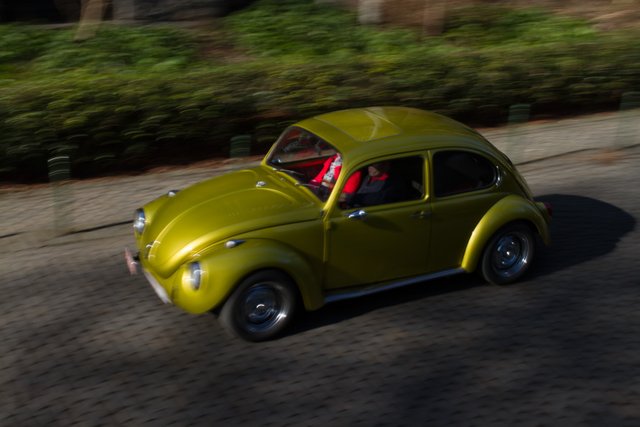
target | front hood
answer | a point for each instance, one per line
(219, 208)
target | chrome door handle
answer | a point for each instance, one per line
(359, 214)
(421, 215)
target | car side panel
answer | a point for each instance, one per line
(224, 268)
(453, 222)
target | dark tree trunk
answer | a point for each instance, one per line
(370, 12)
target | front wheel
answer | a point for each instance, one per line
(260, 307)
(508, 254)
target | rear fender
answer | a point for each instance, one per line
(509, 209)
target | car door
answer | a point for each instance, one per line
(465, 184)
(385, 240)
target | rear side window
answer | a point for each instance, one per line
(457, 172)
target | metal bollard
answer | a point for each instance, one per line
(518, 113)
(627, 132)
(629, 101)
(240, 146)
(59, 172)
(59, 168)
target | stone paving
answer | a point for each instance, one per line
(83, 343)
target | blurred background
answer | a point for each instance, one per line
(117, 86)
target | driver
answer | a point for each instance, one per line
(328, 175)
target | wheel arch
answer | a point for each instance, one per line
(508, 210)
(279, 270)
(229, 267)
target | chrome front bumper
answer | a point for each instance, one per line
(160, 291)
(133, 264)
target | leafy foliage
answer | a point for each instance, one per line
(497, 25)
(135, 96)
(276, 28)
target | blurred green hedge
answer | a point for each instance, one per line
(134, 97)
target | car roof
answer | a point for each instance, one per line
(379, 131)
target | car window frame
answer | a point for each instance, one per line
(497, 176)
(423, 155)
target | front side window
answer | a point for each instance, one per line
(458, 171)
(388, 181)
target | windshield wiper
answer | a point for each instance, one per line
(289, 171)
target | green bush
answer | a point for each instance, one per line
(305, 29)
(488, 26)
(22, 43)
(119, 47)
(137, 96)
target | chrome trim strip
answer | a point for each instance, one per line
(393, 285)
(499, 176)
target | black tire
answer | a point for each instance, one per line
(508, 254)
(260, 307)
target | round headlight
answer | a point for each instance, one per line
(195, 275)
(139, 221)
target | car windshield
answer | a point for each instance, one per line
(297, 146)
(309, 159)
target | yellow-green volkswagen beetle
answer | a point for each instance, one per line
(344, 204)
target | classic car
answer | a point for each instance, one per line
(255, 245)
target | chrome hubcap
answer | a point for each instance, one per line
(262, 307)
(511, 254)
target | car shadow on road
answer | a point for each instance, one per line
(343, 310)
(582, 229)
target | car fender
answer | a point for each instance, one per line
(224, 267)
(508, 209)
(150, 210)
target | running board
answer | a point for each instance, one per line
(393, 285)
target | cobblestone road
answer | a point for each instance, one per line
(82, 343)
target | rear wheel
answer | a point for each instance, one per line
(508, 254)
(260, 307)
